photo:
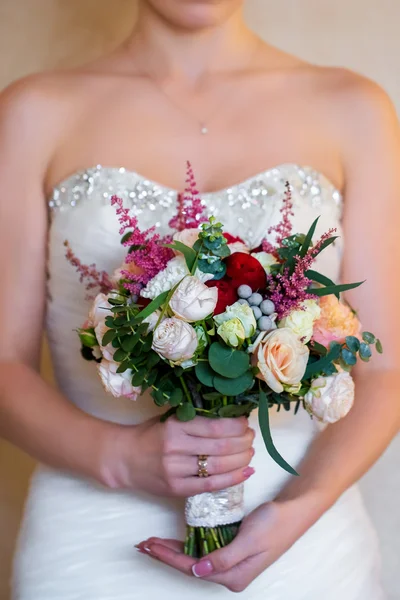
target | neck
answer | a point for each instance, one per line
(168, 51)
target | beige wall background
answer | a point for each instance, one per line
(360, 34)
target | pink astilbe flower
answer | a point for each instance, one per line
(190, 208)
(288, 291)
(149, 254)
(284, 228)
(93, 277)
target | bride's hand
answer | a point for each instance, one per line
(161, 458)
(265, 534)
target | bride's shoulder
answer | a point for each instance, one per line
(350, 95)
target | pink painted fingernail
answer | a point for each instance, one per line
(202, 568)
(248, 472)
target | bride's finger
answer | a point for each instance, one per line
(175, 545)
(218, 447)
(171, 557)
(216, 428)
(180, 466)
(190, 486)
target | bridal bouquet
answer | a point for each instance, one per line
(213, 328)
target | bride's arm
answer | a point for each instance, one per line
(346, 450)
(159, 458)
(32, 414)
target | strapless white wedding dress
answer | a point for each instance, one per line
(77, 539)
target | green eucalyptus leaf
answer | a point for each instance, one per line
(227, 361)
(108, 337)
(124, 366)
(368, 337)
(365, 352)
(235, 410)
(152, 360)
(233, 387)
(379, 347)
(120, 355)
(176, 397)
(222, 252)
(353, 343)
(120, 321)
(205, 374)
(138, 377)
(151, 377)
(109, 321)
(185, 412)
(159, 398)
(116, 343)
(263, 418)
(348, 357)
(129, 342)
(146, 346)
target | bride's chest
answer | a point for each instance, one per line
(81, 210)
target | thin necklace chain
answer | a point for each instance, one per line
(202, 123)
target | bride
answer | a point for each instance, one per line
(192, 82)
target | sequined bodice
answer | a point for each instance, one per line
(82, 213)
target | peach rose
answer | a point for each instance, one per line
(282, 359)
(188, 237)
(337, 321)
(130, 267)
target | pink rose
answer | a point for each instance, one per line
(117, 384)
(336, 322)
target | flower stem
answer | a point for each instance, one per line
(185, 389)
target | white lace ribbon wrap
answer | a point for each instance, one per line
(216, 508)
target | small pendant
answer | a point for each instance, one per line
(203, 130)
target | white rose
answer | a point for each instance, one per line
(265, 259)
(331, 398)
(239, 247)
(193, 300)
(282, 359)
(301, 322)
(175, 340)
(117, 384)
(242, 312)
(100, 310)
(173, 273)
(188, 237)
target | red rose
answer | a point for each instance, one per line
(227, 294)
(231, 239)
(245, 269)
